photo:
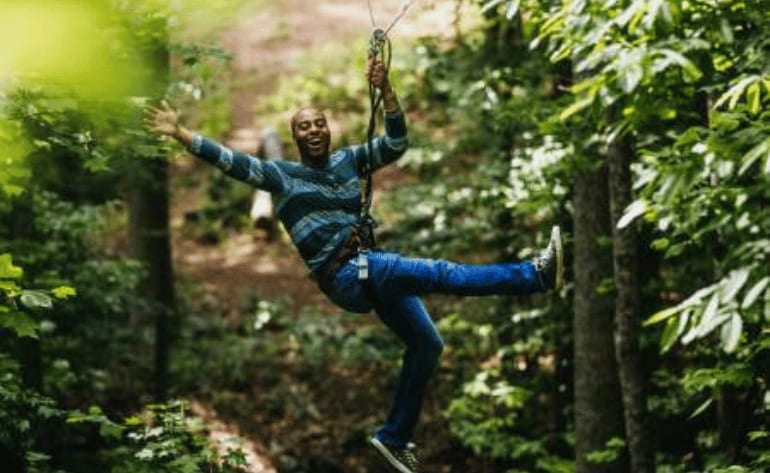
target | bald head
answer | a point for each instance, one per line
(311, 134)
(305, 112)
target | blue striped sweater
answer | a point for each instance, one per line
(316, 206)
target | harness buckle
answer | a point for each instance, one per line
(363, 266)
(377, 41)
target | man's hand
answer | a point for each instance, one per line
(165, 121)
(377, 73)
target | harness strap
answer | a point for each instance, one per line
(379, 45)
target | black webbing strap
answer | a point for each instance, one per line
(379, 45)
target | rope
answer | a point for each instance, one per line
(404, 8)
(371, 13)
(379, 45)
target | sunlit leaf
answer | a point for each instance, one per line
(512, 9)
(632, 212)
(731, 332)
(133, 420)
(7, 269)
(708, 320)
(36, 300)
(662, 315)
(735, 281)
(69, 43)
(754, 292)
(63, 292)
(762, 149)
(752, 97)
(576, 106)
(699, 410)
(674, 328)
(490, 5)
(736, 92)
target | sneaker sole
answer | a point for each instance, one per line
(559, 248)
(392, 461)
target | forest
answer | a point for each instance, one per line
(143, 311)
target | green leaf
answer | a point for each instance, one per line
(690, 70)
(735, 281)
(754, 292)
(7, 269)
(21, 323)
(736, 92)
(674, 328)
(133, 420)
(709, 320)
(512, 9)
(752, 97)
(731, 332)
(9, 286)
(632, 212)
(701, 408)
(490, 5)
(111, 430)
(36, 300)
(64, 292)
(662, 315)
(576, 106)
(758, 151)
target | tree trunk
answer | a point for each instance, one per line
(598, 412)
(150, 244)
(627, 324)
(149, 241)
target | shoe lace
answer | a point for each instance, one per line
(407, 456)
(541, 259)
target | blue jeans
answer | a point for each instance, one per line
(397, 282)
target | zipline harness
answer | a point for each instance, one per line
(379, 46)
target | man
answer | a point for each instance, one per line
(319, 200)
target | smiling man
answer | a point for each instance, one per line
(318, 200)
(311, 133)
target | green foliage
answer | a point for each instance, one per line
(163, 437)
(22, 411)
(14, 173)
(68, 140)
(483, 417)
(687, 83)
(614, 449)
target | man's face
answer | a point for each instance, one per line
(311, 133)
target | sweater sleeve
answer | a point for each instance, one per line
(261, 174)
(386, 148)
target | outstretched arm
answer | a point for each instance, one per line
(165, 121)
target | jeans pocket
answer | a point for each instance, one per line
(348, 292)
